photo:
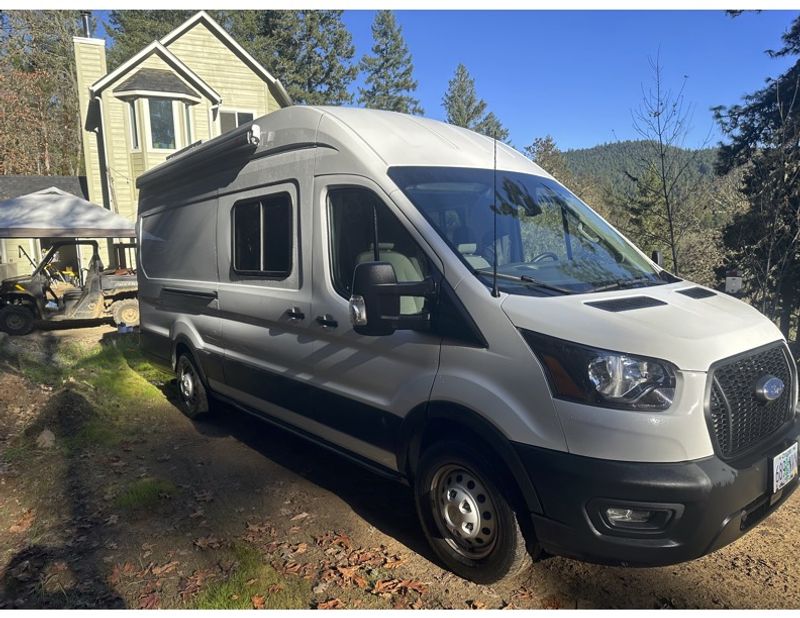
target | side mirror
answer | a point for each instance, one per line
(375, 300)
(657, 258)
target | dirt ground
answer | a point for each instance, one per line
(109, 497)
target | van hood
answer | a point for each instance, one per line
(659, 321)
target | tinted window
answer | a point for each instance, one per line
(180, 243)
(162, 124)
(262, 236)
(359, 223)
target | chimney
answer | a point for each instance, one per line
(90, 65)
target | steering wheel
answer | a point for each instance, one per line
(545, 255)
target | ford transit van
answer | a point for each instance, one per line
(376, 283)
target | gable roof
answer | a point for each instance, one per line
(155, 80)
(201, 16)
(14, 186)
(167, 56)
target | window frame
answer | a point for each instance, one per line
(432, 264)
(175, 124)
(188, 124)
(133, 125)
(232, 110)
(271, 275)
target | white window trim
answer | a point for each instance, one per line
(134, 129)
(189, 115)
(230, 110)
(177, 121)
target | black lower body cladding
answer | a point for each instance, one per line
(698, 506)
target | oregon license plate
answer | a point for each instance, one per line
(784, 468)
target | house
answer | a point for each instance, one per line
(12, 250)
(193, 84)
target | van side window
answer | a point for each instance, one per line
(359, 223)
(262, 236)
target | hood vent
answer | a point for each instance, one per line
(697, 293)
(626, 304)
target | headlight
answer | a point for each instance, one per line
(601, 377)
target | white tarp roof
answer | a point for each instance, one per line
(56, 213)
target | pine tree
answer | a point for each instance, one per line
(544, 152)
(465, 109)
(311, 52)
(132, 31)
(389, 71)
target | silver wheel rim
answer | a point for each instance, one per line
(464, 511)
(186, 382)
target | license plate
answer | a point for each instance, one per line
(784, 468)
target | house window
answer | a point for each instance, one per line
(230, 120)
(134, 126)
(262, 236)
(187, 119)
(162, 124)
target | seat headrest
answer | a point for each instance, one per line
(468, 247)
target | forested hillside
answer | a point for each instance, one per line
(609, 162)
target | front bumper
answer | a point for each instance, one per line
(710, 502)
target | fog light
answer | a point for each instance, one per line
(621, 516)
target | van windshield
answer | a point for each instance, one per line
(547, 240)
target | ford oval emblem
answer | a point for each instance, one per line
(769, 388)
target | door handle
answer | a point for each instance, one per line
(295, 314)
(327, 321)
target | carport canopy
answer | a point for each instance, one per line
(52, 213)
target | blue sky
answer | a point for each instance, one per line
(576, 74)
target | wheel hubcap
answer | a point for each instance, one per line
(187, 384)
(14, 321)
(464, 511)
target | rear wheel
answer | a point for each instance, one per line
(191, 390)
(16, 320)
(125, 311)
(466, 515)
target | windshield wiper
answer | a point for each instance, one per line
(621, 284)
(524, 279)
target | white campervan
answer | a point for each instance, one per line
(374, 282)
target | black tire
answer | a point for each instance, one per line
(125, 311)
(192, 393)
(449, 475)
(16, 320)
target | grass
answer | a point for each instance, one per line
(144, 494)
(236, 593)
(17, 452)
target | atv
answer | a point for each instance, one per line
(103, 294)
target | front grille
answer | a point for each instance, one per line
(737, 418)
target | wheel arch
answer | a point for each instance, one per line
(425, 423)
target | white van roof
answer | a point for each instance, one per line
(366, 137)
(402, 139)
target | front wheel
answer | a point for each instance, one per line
(466, 517)
(16, 320)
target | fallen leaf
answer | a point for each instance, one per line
(276, 588)
(198, 513)
(208, 542)
(258, 601)
(24, 523)
(330, 604)
(299, 516)
(350, 575)
(150, 601)
(393, 563)
(158, 571)
(250, 582)
(476, 604)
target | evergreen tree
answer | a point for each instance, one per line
(465, 109)
(763, 141)
(311, 52)
(544, 152)
(389, 71)
(132, 31)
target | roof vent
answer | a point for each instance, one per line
(697, 293)
(626, 304)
